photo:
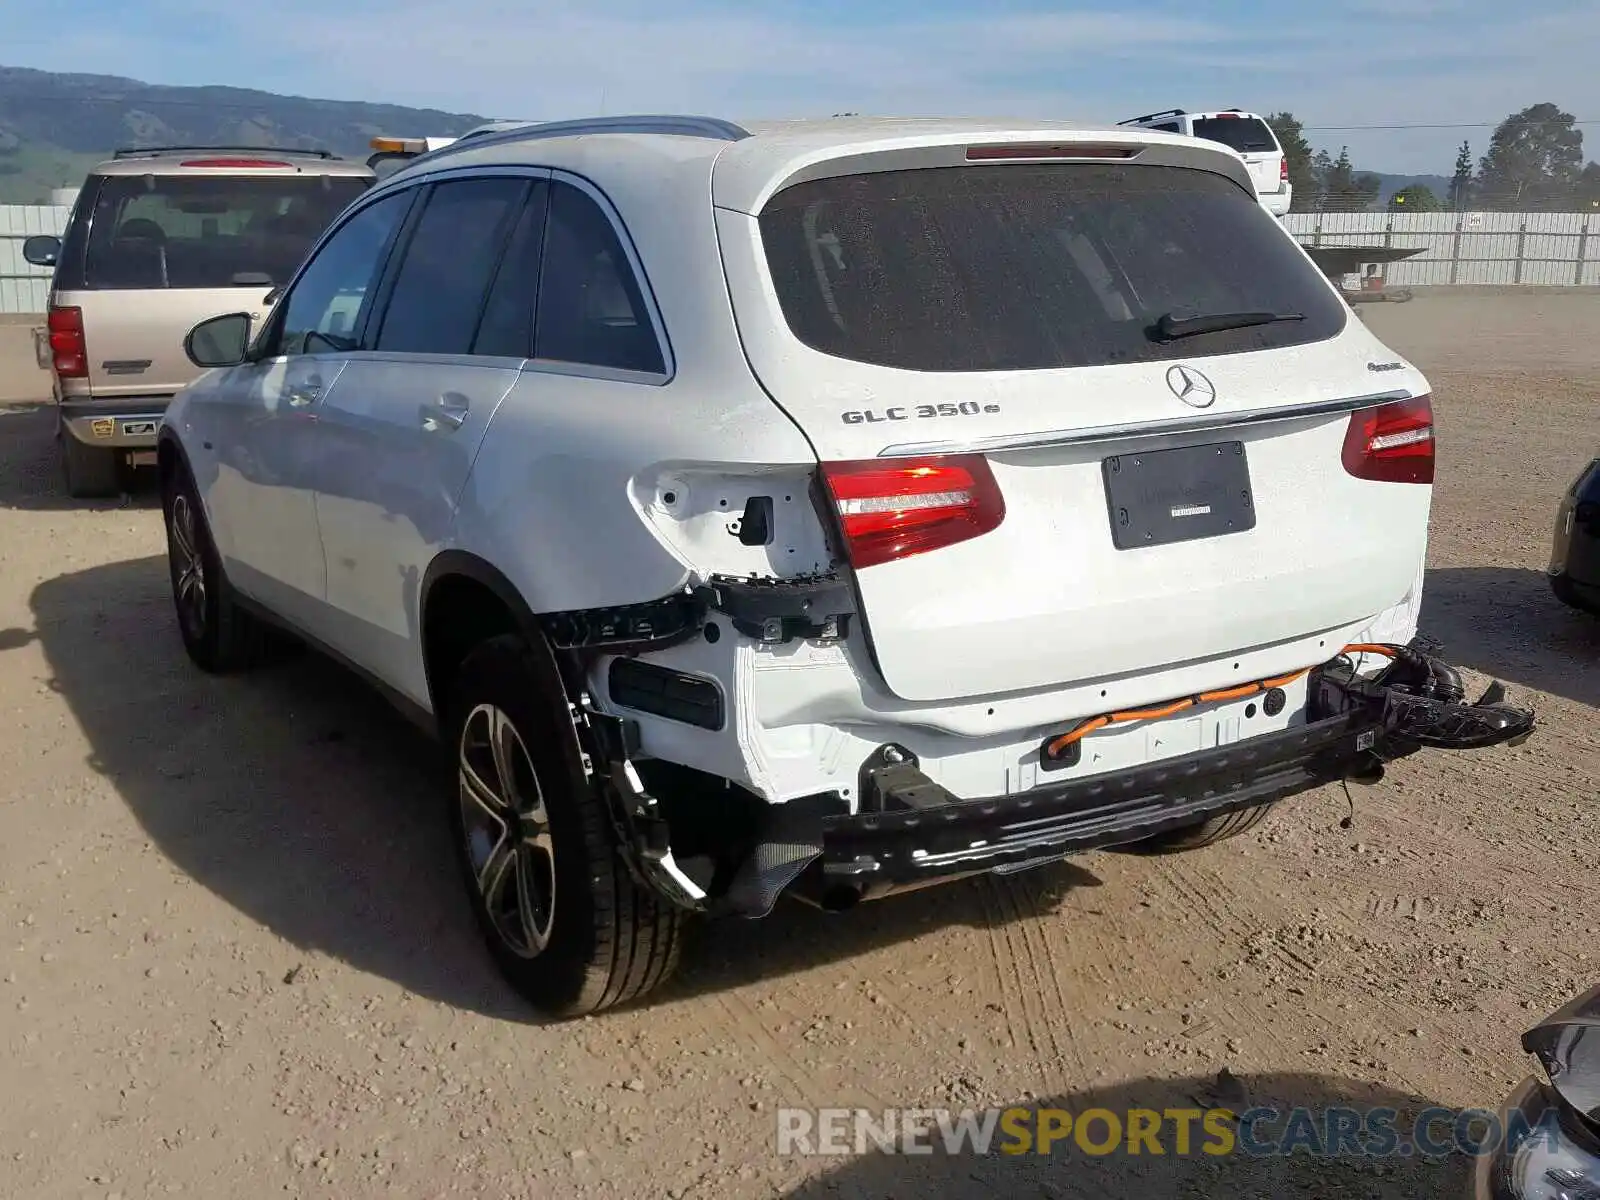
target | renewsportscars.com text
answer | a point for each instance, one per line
(1181, 1132)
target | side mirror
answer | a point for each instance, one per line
(41, 250)
(219, 341)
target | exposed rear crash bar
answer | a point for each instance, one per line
(917, 831)
(907, 845)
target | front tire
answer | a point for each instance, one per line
(218, 635)
(1207, 833)
(563, 918)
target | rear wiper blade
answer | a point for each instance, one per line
(1170, 326)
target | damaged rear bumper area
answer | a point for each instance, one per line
(911, 831)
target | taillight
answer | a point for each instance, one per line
(1392, 443)
(891, 508)
(1283, 170)
(67, 348)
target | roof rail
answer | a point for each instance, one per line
(1171, 112)
(155, 151)
(680, 126)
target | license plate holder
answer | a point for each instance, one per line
(1159, 497)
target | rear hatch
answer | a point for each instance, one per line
(1252, 138)
(1121, 500)
(162, 252)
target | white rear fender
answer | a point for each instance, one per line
(596, 493)
(721, 520)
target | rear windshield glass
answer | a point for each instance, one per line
(1013, 267)
(177, 231)
(1247, 135)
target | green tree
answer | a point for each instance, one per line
(1297, 153)
(1589, 187)
(1416, 198)
(1342, 188)
(1461, 181)
(1534, 160)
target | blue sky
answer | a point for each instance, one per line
(1337, 63)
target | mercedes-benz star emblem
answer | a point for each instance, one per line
(1193, 388)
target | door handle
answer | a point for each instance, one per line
(448, 412)
(305, 395)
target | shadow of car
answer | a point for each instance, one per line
(301, 798)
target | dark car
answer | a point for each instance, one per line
(1575, 559)
(1551, 1144)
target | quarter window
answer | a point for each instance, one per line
(591, 308)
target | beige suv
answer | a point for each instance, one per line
(159, 240)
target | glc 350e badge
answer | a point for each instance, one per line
(1193, 388)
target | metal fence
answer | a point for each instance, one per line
(1493, 248)
(23, 287)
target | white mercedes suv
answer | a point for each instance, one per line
(824, 508)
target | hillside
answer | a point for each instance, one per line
(54, 126)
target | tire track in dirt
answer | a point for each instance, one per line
(1015, 952)
(1311, 991)
(1223, 922)
(1038, 923)
(1011, 987)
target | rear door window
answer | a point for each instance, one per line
(1247, 135)
(506, 330)
(191, 231)
(1015, 267)
(448, 265)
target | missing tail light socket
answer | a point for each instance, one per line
(776, 610)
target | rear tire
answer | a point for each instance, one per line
(1206, 833)
(1568, 595)
(218, 635)
(90, 471)
(564, 920)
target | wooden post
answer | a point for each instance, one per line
(1583, 248)
(1455, 251)
(1522, 245)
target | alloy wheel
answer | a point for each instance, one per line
(507, 831)
(189, 568)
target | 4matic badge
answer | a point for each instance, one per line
(913, 412)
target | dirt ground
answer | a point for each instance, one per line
(236, 962)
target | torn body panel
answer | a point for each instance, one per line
(854, 810)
